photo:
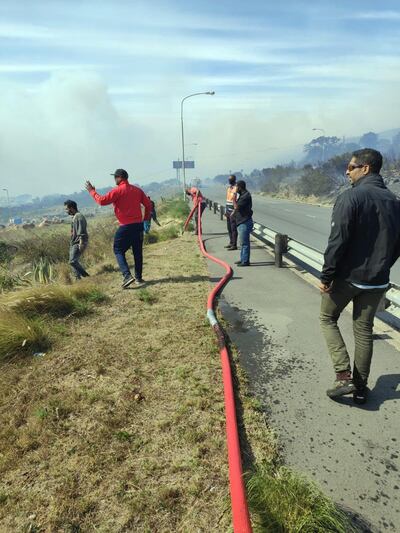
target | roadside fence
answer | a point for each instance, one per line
(311, 260)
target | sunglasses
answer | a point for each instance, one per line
(350, 168)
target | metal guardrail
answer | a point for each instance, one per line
(307, 255)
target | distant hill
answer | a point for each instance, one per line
(53, 204)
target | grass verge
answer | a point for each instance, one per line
(120, 426)
(23, 314)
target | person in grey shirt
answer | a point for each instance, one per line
(79, 239)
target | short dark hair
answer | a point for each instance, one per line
(71, 203)
(369, 156)
(232, 176)
(241, 184)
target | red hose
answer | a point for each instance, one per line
(189, 217)
(240, 511)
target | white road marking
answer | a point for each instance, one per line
(311, 216)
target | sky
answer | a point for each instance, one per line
(90, 86)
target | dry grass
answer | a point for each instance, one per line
(20, 335)
(121, 426)
(54, 300)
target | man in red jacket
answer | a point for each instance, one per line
(127, 201)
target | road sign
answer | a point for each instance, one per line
(178, 164)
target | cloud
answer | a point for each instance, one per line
(9, 30)
(377, 15)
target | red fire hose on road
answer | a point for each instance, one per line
(240, 511)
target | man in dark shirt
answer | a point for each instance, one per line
(243, 214)
(363, 245)
(79, 239)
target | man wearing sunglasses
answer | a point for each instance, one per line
(363, 245)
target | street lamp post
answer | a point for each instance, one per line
(323, 144)
(8, 204)
(183, 136)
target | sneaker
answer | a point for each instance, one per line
(244, 264)
(360, 396)
(343, 385)
(127, 281)
(139, 282)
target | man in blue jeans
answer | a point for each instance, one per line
(127, 201)
(243, 214)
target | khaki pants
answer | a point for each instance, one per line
(365, 304)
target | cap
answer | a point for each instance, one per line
(121, 172)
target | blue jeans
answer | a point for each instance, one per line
(74, 256)
(129, 236)
(244, 231)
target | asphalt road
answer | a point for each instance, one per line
(306, 223)
(351, 451)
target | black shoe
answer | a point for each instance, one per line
(238, 262)
(228, 246)
(244, 264)
(232, 248)
(139, 282)
(360, 396)
(127, 281)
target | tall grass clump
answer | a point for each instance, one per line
(7, 253)
(164, 234)
(50, 246)
(20, 335)
(176, 208)
(9, 281)
(285, 501)
(55, 300)
(101, 237)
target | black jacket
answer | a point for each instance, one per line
(365, 234)
(244, 208)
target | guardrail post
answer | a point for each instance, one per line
(221, 212)
(280, 248)
(215, 208)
